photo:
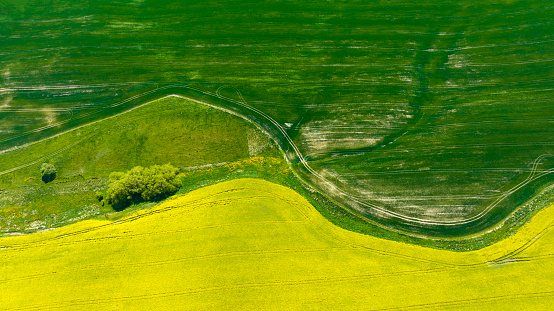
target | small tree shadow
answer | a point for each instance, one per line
(48, 178)
(120, 206)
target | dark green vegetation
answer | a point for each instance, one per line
(191, 136)
(142, 184)
(431, 117)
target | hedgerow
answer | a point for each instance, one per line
(142, 184)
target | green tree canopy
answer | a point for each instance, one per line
(142, 184)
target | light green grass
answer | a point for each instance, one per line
(249, 244)
(169, 130)
(166, 130)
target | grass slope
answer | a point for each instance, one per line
(249, 244)
(183, 133)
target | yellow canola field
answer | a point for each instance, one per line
(252, 245)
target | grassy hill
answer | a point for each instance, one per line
(249, 244)
(172, 130)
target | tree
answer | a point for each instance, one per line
(142, 184)
(48, 172)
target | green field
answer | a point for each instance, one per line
(249, 244)
(432, 118)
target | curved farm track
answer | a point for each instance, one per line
(490, 215)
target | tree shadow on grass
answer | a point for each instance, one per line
(48, 178)
(121, 206)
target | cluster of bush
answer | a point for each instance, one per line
(142, 184)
